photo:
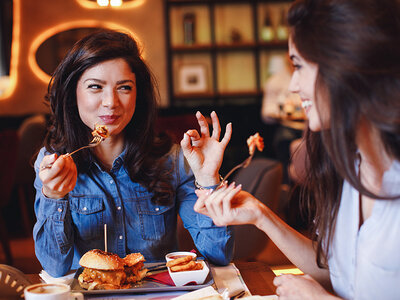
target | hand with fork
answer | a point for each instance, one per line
(61, 174)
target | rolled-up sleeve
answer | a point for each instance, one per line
(214, 243)
(52, 233)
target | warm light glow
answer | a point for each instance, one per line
(39, 39)
(115, 2)
(124, 5)
(16, 35)
(102, 2)
(294, 271)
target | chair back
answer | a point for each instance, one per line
(8, 161)
(263, 179)
(31, 134)
(12, 283)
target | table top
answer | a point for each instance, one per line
(257, 275)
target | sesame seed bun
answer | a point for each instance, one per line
(100, 260)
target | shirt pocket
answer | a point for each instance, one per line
(155, 220)
(87, 215)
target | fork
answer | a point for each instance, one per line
(93, 143)
(243, 165)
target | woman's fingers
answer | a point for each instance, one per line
(186, 145)
(216, 126)
(60, 179)
(199, 206)
(227, 136)
(203, 124)
(47, 162)
(227, 201)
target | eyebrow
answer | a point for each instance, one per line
(104, 82)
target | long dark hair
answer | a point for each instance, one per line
(145, 157)
(356, 45)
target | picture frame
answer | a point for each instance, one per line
(192, 78)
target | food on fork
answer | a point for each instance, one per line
(100, 130)
(255, 141)
(185, 263)
(107, 271)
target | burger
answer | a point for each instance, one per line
(134, 271)
(107, 271)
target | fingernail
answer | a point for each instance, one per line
(239, 186)
(209, 191)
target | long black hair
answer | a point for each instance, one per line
(145, 157)
(356, 45)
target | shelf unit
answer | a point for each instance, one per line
(227, 62)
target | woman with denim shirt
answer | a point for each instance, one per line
(133, 181)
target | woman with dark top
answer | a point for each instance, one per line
(134, 181)
(347, 73)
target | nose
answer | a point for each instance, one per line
(110, 98)
(294, 83)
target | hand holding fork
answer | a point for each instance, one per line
(93, 143)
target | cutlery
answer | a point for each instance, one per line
(243, 164)
(93, 143)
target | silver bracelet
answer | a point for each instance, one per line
(200, 187)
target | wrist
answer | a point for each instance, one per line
(262, 217)
(207, 183)
(50, 195)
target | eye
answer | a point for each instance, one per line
(126, 87)
(94, 86)
(296, 66)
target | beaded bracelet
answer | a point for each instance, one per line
(200, 187)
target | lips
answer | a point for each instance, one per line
(109, 119)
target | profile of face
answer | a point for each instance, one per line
(303, 82)
(106, 94)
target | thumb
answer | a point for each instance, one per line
(185, 144)
(199, 206)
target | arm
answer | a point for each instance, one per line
(231, 206)
(215, 243)
(53, 231)
(204, 152)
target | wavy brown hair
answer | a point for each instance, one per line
(356, 45)
(145, 152)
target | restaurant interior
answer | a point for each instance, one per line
(213, 55)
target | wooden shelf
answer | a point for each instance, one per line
(226, 62)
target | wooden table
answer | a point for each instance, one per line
(257, 276)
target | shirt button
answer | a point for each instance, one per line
(157, 208)
(119, 207)
(59, 209)
(85, 208)
(111, 181)
(121, 237)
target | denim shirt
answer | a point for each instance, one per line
(67, 228)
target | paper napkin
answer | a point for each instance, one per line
(67, 279)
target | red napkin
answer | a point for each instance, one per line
(162, 277)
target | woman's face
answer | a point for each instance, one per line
(303, 83)
(106, 94)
